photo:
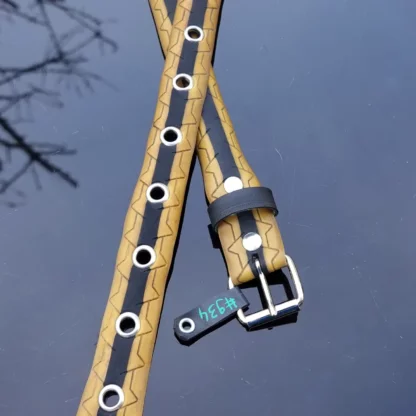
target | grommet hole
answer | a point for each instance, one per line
(170, 136)
(194, 34)
(187, 325)
(128, 324)
(143, 256)
(111, 398)
(183, 82)
(157, 193)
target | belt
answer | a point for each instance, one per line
(190, 115)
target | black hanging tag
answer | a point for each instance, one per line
(209, 315)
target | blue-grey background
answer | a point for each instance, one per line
(322, 95)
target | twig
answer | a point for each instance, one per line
(64, 61)
(36, 156)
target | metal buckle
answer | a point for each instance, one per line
(273, 311)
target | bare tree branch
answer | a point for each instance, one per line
(34, 155)
(12, 9)
(6, 184)
(65, 62)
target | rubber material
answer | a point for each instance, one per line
(220, 157)
(210, 314)
(125, 362)
(236, 202)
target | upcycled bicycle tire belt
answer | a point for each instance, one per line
(190, 116)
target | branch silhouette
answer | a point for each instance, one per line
(20, 85)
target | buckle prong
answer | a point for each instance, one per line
(265, 288)
(273, 311)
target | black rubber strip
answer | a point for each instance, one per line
(171, 7)
(219, 142)
(242, 200)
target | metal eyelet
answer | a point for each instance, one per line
(187, 325)
(157, 192)
(128, 316)
(143, 256)
(111, 388)
(194, 34)
(170, 136)
(183, 82)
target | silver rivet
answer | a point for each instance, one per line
(232, 184)
(252, 241)
(114, 389)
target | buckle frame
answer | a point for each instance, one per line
(273, 312)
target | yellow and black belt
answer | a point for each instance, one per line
(190, 115)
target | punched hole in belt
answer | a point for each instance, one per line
(170, 136)
(157, 192)
(127, 325)
(182, 82)
(143, 256)
(111, 398)
(194, 34)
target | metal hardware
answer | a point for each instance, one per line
(143, 263)
(273, 311)
(170, 136)
(183, 77)
(194, 30)
(136, 328)
(187, 325)
(232, 183)
(252, 242)
(114, 390)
